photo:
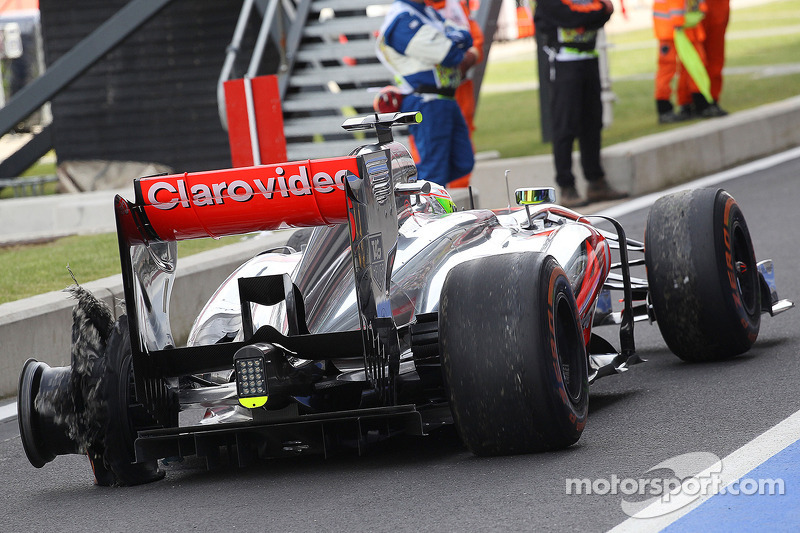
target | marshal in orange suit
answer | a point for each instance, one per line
(667, 16)
(715, 23)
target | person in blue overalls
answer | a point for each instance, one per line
(429, 57)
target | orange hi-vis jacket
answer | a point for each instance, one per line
(671, 14)
(668, 15)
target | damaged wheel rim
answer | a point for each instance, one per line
(42, 433)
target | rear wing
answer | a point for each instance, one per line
(244, 200)
(358, 189)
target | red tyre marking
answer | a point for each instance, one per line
(562, 390)
(732, 282)
(726, 237)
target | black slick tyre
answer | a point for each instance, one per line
(702, 275)
(513, 354)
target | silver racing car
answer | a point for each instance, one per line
(398, 313)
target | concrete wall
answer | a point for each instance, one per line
(680, 155)
(58, 215)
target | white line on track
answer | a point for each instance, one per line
(8, 411)
(735, 465)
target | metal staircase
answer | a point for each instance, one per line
(330, 70)
(335, 76)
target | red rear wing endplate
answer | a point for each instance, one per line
(243, 200)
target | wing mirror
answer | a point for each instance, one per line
(535, 195)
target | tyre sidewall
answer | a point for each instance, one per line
(568, 412)
(735, 328)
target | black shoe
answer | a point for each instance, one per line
(699, 105)
(713, 110)
(569, 197)
(685, 113)
(665, 111)
(668, 118)
(600, 191)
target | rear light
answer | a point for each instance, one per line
(251, 379)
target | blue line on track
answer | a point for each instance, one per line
(725, 513)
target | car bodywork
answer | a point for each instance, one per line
(345, 329)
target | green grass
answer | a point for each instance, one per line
(26, 270)
(43, 168)
(508, 122)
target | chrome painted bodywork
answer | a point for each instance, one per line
(430, 244)
(343, 336)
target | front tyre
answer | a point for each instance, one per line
(513, 354)
(702, 275)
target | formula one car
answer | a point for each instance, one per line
(398, 314)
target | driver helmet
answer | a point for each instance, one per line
(440, 195)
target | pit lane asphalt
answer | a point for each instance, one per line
(656, 411)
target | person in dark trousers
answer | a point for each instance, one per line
(569, 29)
